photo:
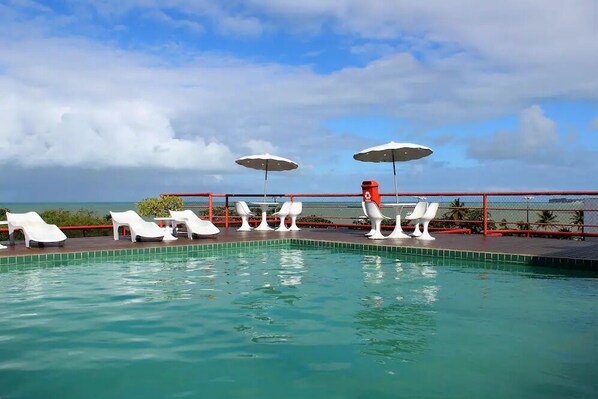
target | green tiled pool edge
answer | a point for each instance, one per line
(490, 257)
(172, 249)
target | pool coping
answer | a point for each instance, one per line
(479, 256)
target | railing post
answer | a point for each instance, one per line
(226, 211)
(210, 207)
(485, 214)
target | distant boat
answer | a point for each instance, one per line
(564, 200)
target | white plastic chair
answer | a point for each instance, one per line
(138, 226)
(376, 217)
(416, 214)
(372, 229)
(193, 224)
(296, 209)
(34, 228)
(282, 213)
(425, 220)
(244, 211)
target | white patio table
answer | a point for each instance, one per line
(398, 230)
(264, 207)
(169, 229)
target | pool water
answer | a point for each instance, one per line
(297, 323)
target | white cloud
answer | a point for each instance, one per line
(214, 105)
(159, 16)
(261, 147)
(536, 138)
(375, 49)
(116, 134)
(239, 26)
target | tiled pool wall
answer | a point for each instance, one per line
(487, 257)
(144, 253)
(147, 253)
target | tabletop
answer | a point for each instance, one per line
(171, 218)
(400, 204)
(264, 203)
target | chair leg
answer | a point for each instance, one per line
(27, 241)
(115, 230)
(372, 230)
(377, 233)
(244, 224)
(133, 236)
(282, 226)
(294, 224)
(416, 231)
(426, 236)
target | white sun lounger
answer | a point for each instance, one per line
(194, 224)
(34, 228)
(138, 226)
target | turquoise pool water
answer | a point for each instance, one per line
(296, 323)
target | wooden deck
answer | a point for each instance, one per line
(544, 247)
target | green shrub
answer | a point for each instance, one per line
(81, 217)
(159, 207)
(313, 219)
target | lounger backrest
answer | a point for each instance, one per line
(418, 211)
(372, 211)
(431, 211)
(126, 217)
(182, 215)
(22, 219)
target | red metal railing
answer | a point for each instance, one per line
(476, 213)
(538, 213)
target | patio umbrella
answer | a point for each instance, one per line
(267, 162)
(392, 152)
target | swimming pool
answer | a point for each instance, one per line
(295, 323)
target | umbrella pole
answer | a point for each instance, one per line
(266, 180)
(394, 172)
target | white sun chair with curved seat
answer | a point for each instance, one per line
(139, 227)
(296, 209)
(193, 224)
(376, 217)
(372, 229)
(244, 211)
(416, 214)
(282, 213)
(34, 228)
(428, 216)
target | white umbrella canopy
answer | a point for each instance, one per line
(267, 162)
(392, 152)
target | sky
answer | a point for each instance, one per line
(121, 100)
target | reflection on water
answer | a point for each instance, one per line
(291, 267)
(372, 269)
(396, 316)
